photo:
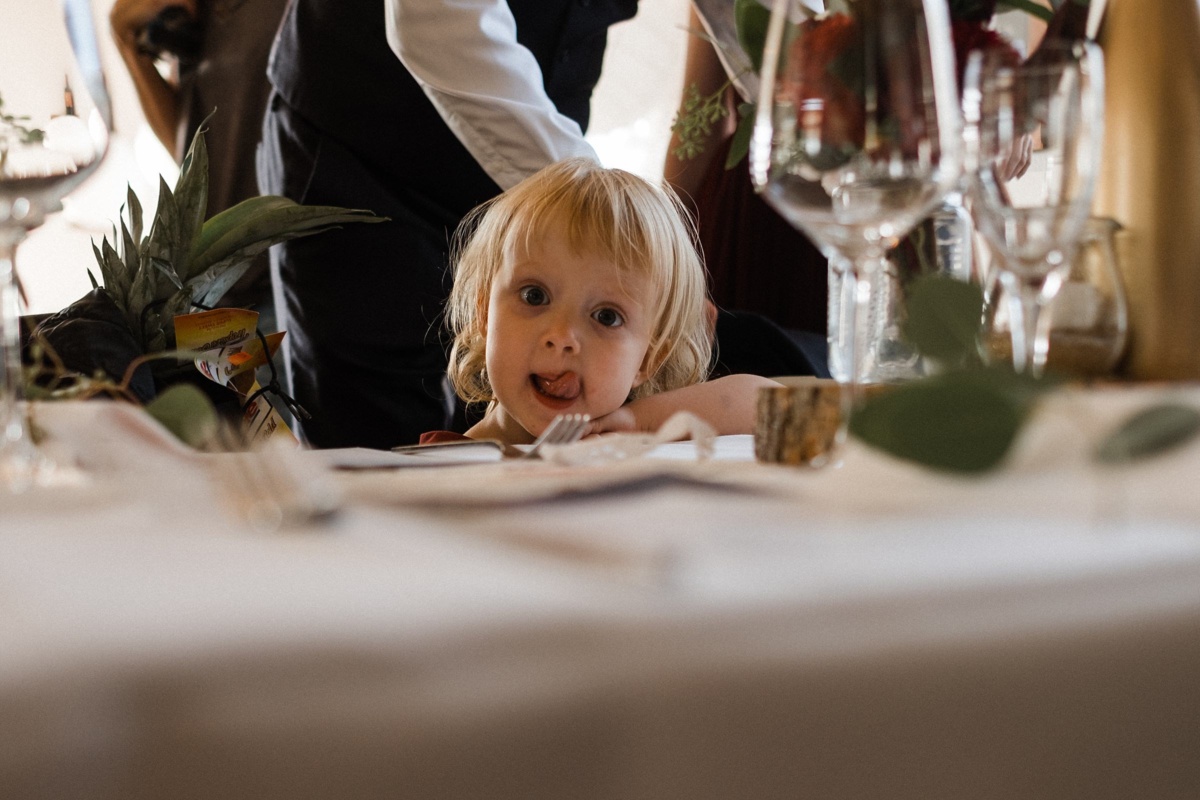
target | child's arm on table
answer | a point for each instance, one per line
(728, 404)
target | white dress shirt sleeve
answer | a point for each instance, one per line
(487, 86)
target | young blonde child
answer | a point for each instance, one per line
(580, 291)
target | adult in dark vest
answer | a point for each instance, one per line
(363, 90)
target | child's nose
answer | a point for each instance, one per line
(561, 334)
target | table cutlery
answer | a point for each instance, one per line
(563, 430)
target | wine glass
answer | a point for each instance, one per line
(54, 127)
(857, 138)
(1033, 210)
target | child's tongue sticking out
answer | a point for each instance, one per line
(559, 387)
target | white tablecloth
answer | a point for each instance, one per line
(697, 630)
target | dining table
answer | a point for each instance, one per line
(682, 622)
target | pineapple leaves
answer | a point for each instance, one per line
(112, 270)
(122, 278)
(191, 204)
(207, 288)
(253, 225)
(225, 225)
(163, 241)
(182, 260)
(135, 214)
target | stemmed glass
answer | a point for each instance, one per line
(857, 139)
(54, 128)
(1033, 211)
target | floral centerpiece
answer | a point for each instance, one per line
(742, 55)
(965, 416)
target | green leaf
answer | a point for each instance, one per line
(226, 224)
(141, 294)
(182, 302)
(1148, 432)
(191, 202)
(135, 213)
(113, 271)
(1028, 6)
(207, 288)
(129, 255)
(159, 245)
(750, 19)
(167, 272)
(157, 340)
(956, 422)
(739, 146)
(944, 318)
(187, 412)
(265, 221)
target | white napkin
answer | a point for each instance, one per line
(619, 446)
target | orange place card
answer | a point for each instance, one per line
(219, 327)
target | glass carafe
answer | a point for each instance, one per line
(1088, 320)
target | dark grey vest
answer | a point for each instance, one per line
(332, 64)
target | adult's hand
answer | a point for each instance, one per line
(1017, 161)
(129, 18)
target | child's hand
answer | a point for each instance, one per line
(622, 420)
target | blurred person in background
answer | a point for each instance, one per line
(768, 280)
(418, 110)
(189, 58)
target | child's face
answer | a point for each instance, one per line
(566, 333)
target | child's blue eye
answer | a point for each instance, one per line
(533, 295)
(609, 318)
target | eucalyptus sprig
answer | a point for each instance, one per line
(27, 134)
(694, 122)
(966, 416)
(14, 125)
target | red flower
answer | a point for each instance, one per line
(825, 81)
(970, 36)
(821, 95)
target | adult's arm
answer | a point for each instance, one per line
(702, 70)
(485, 84)
(711, 26)
(158, 97)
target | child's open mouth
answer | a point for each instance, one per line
(562, 388)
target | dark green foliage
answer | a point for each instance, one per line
(943, 319)
(966, 417)
(185, 262)
(90, 336)
(1149, 432)
(186, 412)
(961, 421)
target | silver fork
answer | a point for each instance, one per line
(273, 486)
(563, 429)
